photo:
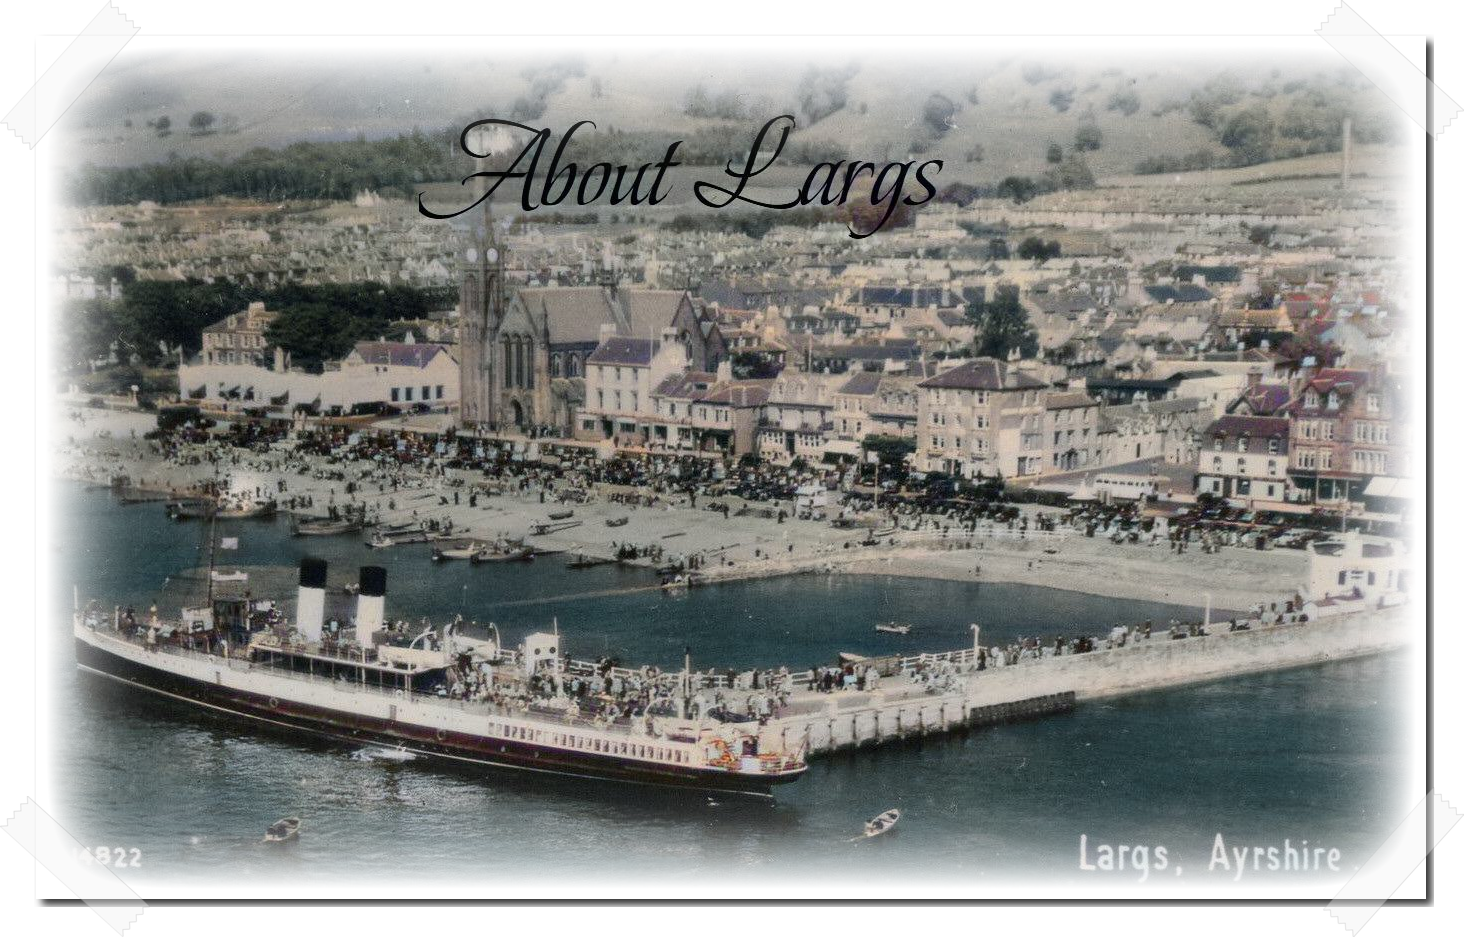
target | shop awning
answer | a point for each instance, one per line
(1382, 486)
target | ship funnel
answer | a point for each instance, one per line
(370, 604)
(310, 609)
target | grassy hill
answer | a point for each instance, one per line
(987, 119)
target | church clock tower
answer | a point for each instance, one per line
(481, 298)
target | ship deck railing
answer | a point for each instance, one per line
(621, 725)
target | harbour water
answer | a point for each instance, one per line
(1308, 753)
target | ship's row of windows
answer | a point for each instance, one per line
(589, 744)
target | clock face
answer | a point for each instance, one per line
(492, 255)
(472, 255)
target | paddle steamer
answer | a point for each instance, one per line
(431, 692)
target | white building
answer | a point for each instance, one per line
(1374, 570)
(406, 375)
(620, 377)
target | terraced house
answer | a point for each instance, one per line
(620, 376)
(1245, 458)
(1345, 433)
(983, 418)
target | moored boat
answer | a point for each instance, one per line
(891, 627)
(324, 527)
(456, 553)
(227, 509)
(502, 553)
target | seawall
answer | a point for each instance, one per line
(1034, 688)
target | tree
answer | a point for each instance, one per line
(997, 249)
(1034, 248)
(938, 113)
(1126, 102)
(754, 365)
(201, 123)
(1002, 326)
(1061, 99)
(1261, 234)
(163, 125)
(1088, 138)
(1054, 153)
(1248, 135)
(1071, 173)
(1018, 188)
(88, 329)
(1297, 348)
(316, 333)
(890, 450)
(157, 315)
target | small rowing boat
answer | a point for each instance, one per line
(890, 627)
(324, 527)
(502, 554)
(880, 825)
(283, 831)
(456, 553)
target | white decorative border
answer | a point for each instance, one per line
(1338, 31)
(67, 79)
(1388, 868)
(1378, 59)
(72, 863)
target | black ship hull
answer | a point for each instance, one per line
(459, 747)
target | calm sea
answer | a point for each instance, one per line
(1307, 753)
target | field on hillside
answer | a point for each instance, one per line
(987, 118)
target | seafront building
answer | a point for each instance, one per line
(1163, 326)
(981, 418)
(238, 369)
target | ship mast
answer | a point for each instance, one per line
(213, 540)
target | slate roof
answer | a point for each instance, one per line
(571, 313)
(399, 354)
(687, 384)
(901, 296)
(619, 350)
(739, 394)
(983, 374)
(1069, 400)
(1225, 433)
(649, 311)
(1219, 273)
(1179, 293)
(862, 384)
(1263, 399)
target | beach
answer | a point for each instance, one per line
(110, 443)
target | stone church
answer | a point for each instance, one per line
(523, 349)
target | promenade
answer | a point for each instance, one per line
(728, 546)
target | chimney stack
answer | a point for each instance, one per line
(310, 607)
(370, 604)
